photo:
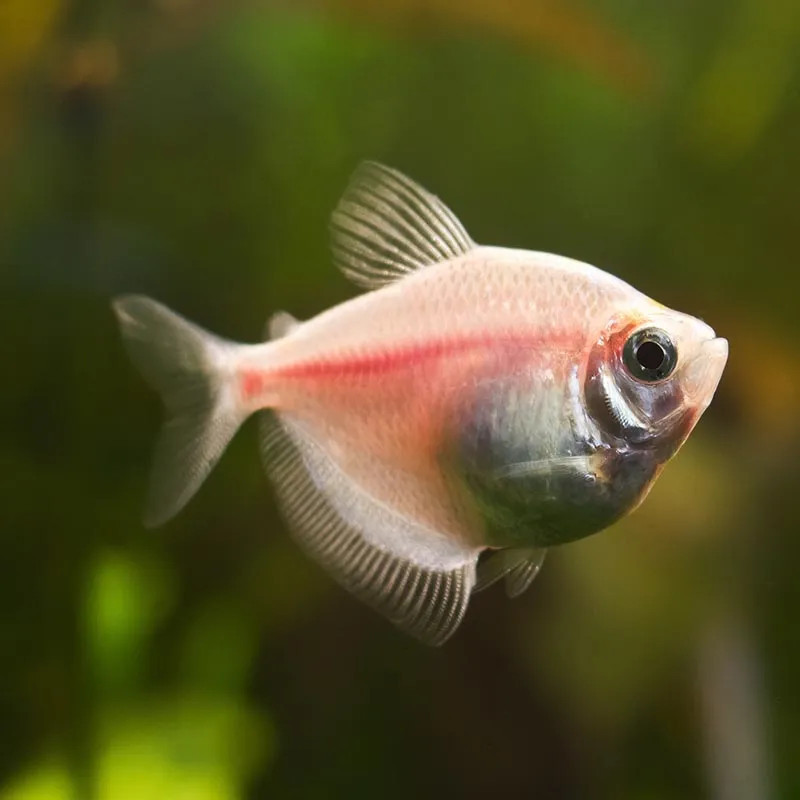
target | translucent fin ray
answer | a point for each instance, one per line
(520, 577)
(186, 365)
(517, 565)
(387, 226)
(329, 516)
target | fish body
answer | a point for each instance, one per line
(478, 398)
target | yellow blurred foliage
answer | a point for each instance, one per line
(763, 377)
(24, 27)
(91, 63)
(182, 749)
(575, 33)
(24, 24)
(744, 84)
(50, 781)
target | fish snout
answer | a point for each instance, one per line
(702, 374)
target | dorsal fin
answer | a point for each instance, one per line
(387, 226)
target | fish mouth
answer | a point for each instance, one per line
(703, 372)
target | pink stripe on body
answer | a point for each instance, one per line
(253, 382)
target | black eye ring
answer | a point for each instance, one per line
(650, 355)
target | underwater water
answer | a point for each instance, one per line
(193, 150)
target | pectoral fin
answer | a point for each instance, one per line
(545, 467)
(518, 565)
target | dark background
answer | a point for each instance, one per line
(192, 150)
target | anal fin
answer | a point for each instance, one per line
(355, 538)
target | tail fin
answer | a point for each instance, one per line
(189, 367)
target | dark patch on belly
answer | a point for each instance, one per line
(531, 483)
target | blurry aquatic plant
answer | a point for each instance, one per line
(573, 32)
(198, 740)
(178, 746)
(126, 598)
(743, 86)
(25, 26)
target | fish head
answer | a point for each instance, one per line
(651, 373)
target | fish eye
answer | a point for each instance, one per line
(650, 355)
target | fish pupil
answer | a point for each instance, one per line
(650, 355)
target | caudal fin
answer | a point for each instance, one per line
(190, 369)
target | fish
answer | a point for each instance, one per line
(439, 432)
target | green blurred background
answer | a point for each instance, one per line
(192, 150)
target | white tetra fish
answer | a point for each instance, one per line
(480, 398)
